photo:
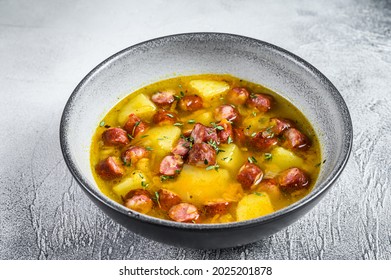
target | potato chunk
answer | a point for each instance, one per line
(285, 159)
(231, 159)
(197, 185)
(139, 105)
(253, 206)
(136, 180)
(161, 139)
(201, 116)
(209, 89)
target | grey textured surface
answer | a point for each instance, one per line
(47, 47)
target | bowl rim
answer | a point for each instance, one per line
(323, 187)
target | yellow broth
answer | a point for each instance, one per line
(196, 185)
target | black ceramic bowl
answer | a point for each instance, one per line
(198, 53)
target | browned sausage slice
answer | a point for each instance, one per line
(181, 148)
(202, 155)
(238, 96)
(168, 199)
(216, 207)
(263, 102)
(280, 125)
(249, 175)
(139, 200)
(164, 117)
(134, 154)
(171, 165)
(109, 169)
(190, 103)
(239, 136)
(227, 112)
(261, 143)
(296, 139)
(202, 133)
(115, 136)
(226, 133)
(293, 179)
(163, 98)
(184, 213)
(135, 126)
(271, 187)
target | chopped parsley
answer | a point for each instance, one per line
(144, 184)
(259, 194)
(102, 123)
(170, 115)
(268, 156)
(166, 177)
(178, 124)
(135, 126)
(148, 148)
(144, 136)
(130, 136)
(254, 114)
(216, 126)
(227, 159)
(157, 198)
(191, 121)
(215, 167)
(229, 141)
(206, 161)
(252, 159)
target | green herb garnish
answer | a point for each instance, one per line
(144, 184)
(259, 194)
(229, 141)
(178, 124)
(149, 148)
(252, 159)
(215, 167)
(253, 134)
(144, 136)
(268, 156)
(166, 177)
(191, 121)
(102, 123)
(157, 199)
(170, 115)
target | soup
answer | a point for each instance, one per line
(205, 149)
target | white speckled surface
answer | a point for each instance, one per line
(47, 47)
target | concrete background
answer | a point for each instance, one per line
(46, 48)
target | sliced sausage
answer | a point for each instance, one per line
(227, 112)
(271, 187)
(184, 213)
(216, 207)
(202, 133)
(134, 154)
(225, 133)
(239, 136)
(181, 148)
(296, 139)
(293, 179)
(238, 96)
(109, 169)
(263, 102)
(163, 98)
(202, 155)
(280, 125)
(171, 165)
(115, 136)
(164, 117)
(261, 143)
(249, 175)
(168, 199)
(135, 126)
(190, 103)
(139, 200)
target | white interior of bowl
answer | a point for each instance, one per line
(189, 54)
